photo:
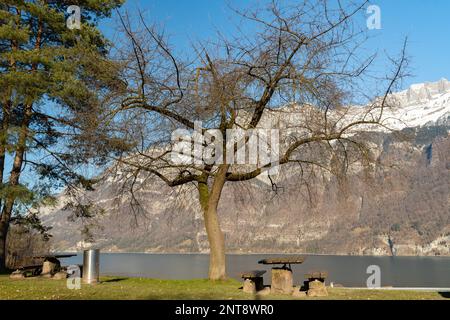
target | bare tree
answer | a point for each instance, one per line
(299, 71)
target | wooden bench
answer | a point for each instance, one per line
(24, 271)
(315, 285)
(51, 263)
(317, 275)
(253, 281)
(34, 269)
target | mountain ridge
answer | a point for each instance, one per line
(409, 206)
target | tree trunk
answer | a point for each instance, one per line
(3, 140)
(3, 232)
(209, 200)
(14, 177)
(13, 181)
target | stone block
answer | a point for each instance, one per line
(316, 284)
(17, 275)
(298, 294)
(51, 267)
(282, 280)
(249, 286)
(264, 292)
(60, 275)
(317, 289)
(252, 285)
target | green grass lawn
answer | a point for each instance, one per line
(141, 288)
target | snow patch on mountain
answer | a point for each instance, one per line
(422, 104)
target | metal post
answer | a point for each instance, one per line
(91, 270)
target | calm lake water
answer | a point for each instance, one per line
(349, 271)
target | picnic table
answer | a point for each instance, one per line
(285, 261)
(282, 280)
(253, 280)
(315, 285)
(48, 267)
(51, 263)
(54, 256)
(22, 271)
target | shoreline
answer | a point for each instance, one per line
(255, 253)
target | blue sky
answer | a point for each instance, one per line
(425, 23)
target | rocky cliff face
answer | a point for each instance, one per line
(403, 208)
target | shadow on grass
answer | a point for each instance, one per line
(6, 272)
(445, 294)
(114, 280)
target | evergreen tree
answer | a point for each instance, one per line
(50, 74)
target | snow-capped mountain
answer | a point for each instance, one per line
(422, 104)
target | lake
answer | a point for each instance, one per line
(350, 271)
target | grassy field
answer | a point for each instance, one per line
(139, 288)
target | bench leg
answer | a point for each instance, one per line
(317, 289)
(252, 285)
(249, 286)
(50, 267)
(259, 282)
(17, 275)
(282, 281)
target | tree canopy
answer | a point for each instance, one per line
(49, 75)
